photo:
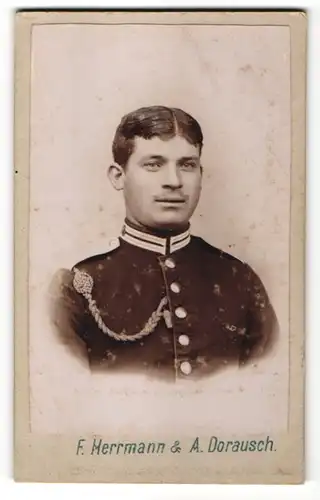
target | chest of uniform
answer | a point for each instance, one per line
(203, 304)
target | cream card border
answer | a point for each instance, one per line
(53, 458)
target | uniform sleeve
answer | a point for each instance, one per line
(68, 313)
(262, 325)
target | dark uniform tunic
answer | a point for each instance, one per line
(168, 306)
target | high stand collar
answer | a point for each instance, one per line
(162, 242)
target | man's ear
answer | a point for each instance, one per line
(116, 176)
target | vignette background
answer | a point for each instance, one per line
(236, 82)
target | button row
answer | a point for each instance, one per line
(180, 312)
(175, 287)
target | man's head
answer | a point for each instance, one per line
(157, 164)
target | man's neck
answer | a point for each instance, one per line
(161, 232)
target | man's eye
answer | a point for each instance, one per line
(189, 165)
(152, 165)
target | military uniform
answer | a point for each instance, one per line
(171, 306)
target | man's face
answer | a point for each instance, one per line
(162, 182)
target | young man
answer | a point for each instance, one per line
(159, 300)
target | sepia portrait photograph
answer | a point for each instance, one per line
(159, 190)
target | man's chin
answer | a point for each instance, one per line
(170, 224)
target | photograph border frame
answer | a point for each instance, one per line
(28, 448)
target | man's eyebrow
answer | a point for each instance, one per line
(188, 158)
(152, 157)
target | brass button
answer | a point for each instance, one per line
(170, 263)
(175, 287)
(186, 368)
(183, 340)
(180, 312)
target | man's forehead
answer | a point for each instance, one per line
(175, 147)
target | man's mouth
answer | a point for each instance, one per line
(170, 200)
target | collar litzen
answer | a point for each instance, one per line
(158, 244)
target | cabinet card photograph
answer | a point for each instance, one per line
(159, 218)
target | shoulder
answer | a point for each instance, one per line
(91, 262)
(87, 272)
(216, 253)
(226, 262)
(240, 273)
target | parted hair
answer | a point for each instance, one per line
(153, 121)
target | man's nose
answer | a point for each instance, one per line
(172, 177)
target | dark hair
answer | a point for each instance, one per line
(153, 121)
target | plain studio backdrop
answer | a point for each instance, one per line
(235, 80)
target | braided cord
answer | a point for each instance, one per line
(83, 284)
